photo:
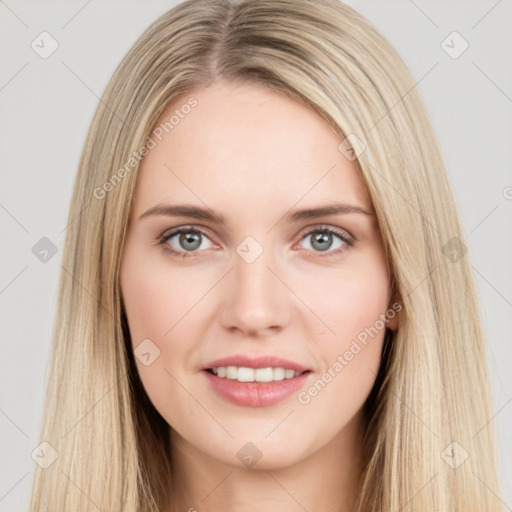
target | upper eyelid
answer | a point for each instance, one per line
(169, 233)
(340, 232)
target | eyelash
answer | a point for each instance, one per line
(348, 240)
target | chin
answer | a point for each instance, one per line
(258, 453)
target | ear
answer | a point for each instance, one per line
(393, 311)
(392, 323)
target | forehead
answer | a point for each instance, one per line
(247, 145)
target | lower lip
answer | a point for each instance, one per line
(255, 394)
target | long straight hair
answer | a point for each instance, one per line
(432, 390)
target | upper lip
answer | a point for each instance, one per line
(263, 361)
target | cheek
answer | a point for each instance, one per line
(150, 298)
(350, 299)
(352, 305)
(150, 302)
(359, 303)
(153, 310)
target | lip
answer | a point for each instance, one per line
(263, 361)
(255, 394)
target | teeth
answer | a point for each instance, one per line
(231, 372)
(278, 373)
(244, 374)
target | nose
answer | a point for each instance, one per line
(256, 301)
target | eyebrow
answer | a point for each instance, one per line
(196, 212)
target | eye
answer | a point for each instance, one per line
(189, 240)
(321, 240)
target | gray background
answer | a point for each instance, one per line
(47, 105)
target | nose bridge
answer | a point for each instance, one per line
(256, 296)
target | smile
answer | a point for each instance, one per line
(244, 374)
(260, 388)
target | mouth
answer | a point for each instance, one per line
(255, 380)
(255, 387)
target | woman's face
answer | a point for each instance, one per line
(266, 282)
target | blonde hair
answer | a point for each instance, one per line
(433, 388)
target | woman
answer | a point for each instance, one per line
(318, 347)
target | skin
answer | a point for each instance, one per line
(252, 155)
